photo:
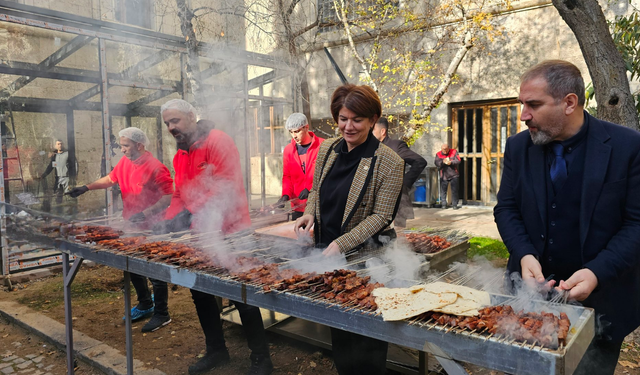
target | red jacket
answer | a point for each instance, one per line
(293, 179)
(142, 183)
(209, 184)
(448, 172)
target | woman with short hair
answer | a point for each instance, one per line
(356, 192)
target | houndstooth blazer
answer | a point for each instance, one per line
(373, 196)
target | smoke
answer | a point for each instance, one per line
(398, 265)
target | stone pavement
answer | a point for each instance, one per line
(475, 220)
(93, 352)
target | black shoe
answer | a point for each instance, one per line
(156, 322)
(210, 361)
(260, 365)
(456, 207)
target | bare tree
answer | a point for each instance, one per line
(606, 65)
(389, 43)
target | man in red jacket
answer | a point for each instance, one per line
(447, 161)
(299, 163)
(146, 187)
(209, 189)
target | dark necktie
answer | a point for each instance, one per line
(558, 166)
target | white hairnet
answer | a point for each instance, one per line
(180, 105)
(296, 121)
(135, 135)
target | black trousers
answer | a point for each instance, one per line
(295, 215)
(454, 191)
(601, 358)
(354, 354)
(209, 316)
(160, 292)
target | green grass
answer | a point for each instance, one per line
(487, 247)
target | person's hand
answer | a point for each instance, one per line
(532, 272)
(280, 202)
(580, 284)
(331, 250)
(303, 225)
(78, 191)
(304, 194)
(138, 218)
(447, 161)
(180, 222)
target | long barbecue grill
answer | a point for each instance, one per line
(449, 345)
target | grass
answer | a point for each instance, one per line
(487, 247)
(48, 293)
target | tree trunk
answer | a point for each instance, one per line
(185, 14)
(606, 66)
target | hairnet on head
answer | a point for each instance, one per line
(296, 121)
(180, 105)
(135, 135)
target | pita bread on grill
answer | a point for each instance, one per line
(403, 303)
(468, 303)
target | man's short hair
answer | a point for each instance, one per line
(563, 78)
(181, 105)
(383, 123)
(59, 140)
(295, 121)
(135, 134)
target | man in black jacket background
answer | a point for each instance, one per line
(416, 163)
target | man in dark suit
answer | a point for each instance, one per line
(416, 163)
(568, 206)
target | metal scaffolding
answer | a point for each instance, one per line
(89, 32)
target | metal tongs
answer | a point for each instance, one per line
(560, 296)
(278, 207)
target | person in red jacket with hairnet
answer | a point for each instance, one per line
(210, 194)
(299, 163)
(146, 187)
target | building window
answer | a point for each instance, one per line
(135, 12)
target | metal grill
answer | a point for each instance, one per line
(449, 343)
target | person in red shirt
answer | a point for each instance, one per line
(146, 187)
(447, 161)
(299, 163)
(210, 196)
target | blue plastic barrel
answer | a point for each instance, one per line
(420, 194)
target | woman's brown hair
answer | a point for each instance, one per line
(361, 100)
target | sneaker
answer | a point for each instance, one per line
(210, 361)
(137, 314)
(456, 207)
(156, 322)
(260, 366)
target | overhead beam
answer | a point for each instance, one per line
(39, 105)
(81, 75)
(61, 54)
(57, 72)
(127, 73)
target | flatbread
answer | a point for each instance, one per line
(467, 305)
(403, 303)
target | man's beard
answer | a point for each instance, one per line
(543, 137)
(182, 140)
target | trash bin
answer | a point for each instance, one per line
(420, 194)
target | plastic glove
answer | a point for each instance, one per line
(304, 194)
(280, 202)
(78, 191)
(138, 218)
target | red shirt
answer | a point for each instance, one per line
(209, 184)
(294, 179)
(142, 182)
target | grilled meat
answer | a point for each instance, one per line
(425, 244)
